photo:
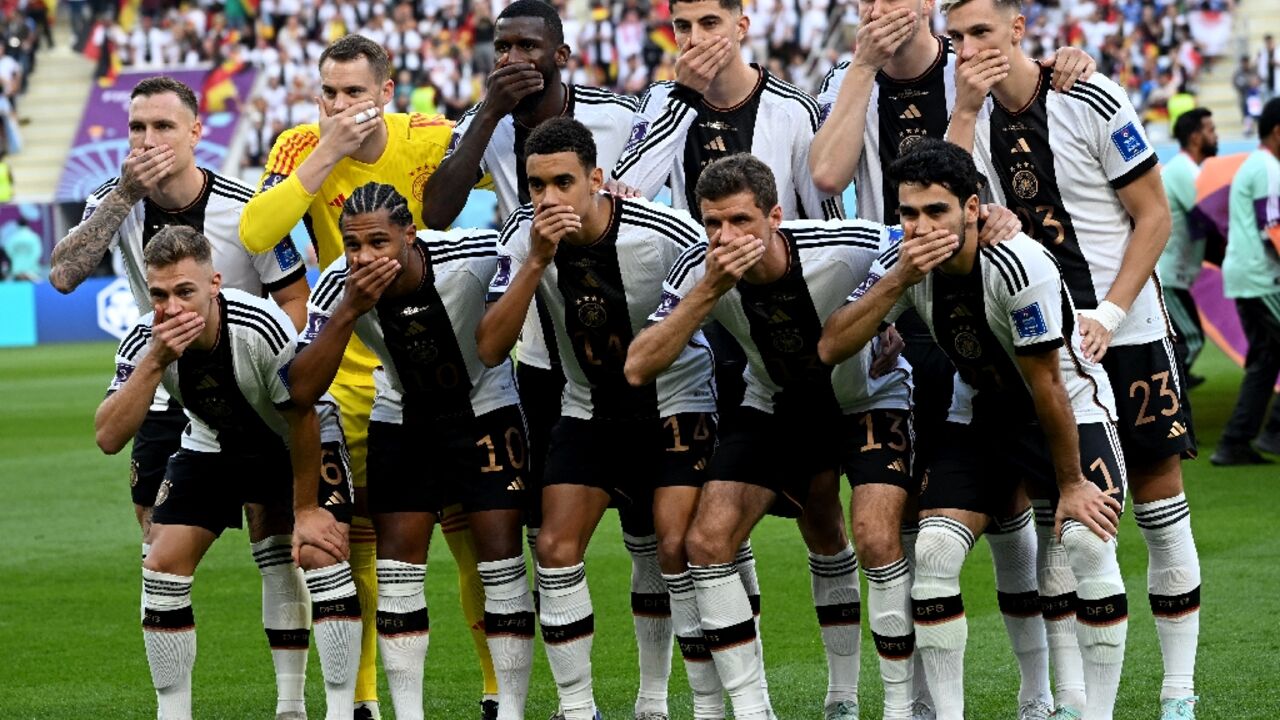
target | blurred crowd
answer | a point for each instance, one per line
(24, 29)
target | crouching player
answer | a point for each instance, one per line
(1039, 410)
(415, 301)
(225, 354)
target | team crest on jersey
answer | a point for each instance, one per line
(420, 177)
(286, 254)
(909, 140)
(1030, 321)
(966, 343)
(163, 493)
(788, 341)
(424, 351)
(638, 133)
(591, 311)
(133, 473)
(1025, 183)
(669, 302)
(1129, 142)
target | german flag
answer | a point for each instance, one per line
(218, 89)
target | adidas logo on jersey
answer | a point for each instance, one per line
(960, 311)
(208, 383)
(1020, 147)
(334, 499)
(911, 113)
(516, 485)
(717, 144)
(1178, 430)
(898, 466)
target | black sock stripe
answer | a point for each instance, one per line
(1003, 526)
(503, 577)
(1172, 606)
(343, 608)
(694, 649)
(955, 527)
(556, 634)
(713, 572)
(937, 610)
(841, 614)
(729, 637)
(651, 604)
(1153, 513)
(520, 624)
(1103, 611)
(411, 623)
(294, 639)
(888, 573)
(891, 647)
(754, 602)
(168, 620)
(1057, 607)
(1023, 604)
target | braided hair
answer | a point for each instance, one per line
(372, 197)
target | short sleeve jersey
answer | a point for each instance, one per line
(232, 393)
(1180, 262)
(778, 324)
(1058, 163)
(426, 340)
(1014, 302)
(599, 297)
(676, 134)
(1251, 268)
(900, 114)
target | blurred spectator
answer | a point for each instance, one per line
(24, 249)
(1268, 67)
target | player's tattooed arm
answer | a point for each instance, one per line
(316, 532)
(1080, 500)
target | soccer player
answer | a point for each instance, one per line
(1038, 409)
(415, 299)
(597, 262)
(900, 89)
(524, 91)
(1078, 169)
(160, 185)
(311, 171)
(772, 284)
(1251, 276)
(1180, 262)
(224, 354)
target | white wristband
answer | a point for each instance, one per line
(1107, 314)
(365, 115)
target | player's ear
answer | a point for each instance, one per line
(1019, 28)
(410, 234)
(388, 92)
(215, 283)
(972, 208)
(597, 180)
(562, 55)
(775, 217)
(196, 131)
(744, 22)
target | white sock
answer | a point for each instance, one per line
(568, 627)
(1013, 551)
(651, 612)
(286, 617)
(404, 632)
(1173, 585)
(1058, 608)
(169, 633)
(509, 628)
(704, 680)
(941, 629)
(908, 534)
(834, 581)
(745, 561)
(729, 630)
(335, 621)
(889, 612)
(1102, 616)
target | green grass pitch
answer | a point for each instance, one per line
(69, 588)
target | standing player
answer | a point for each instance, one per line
(596, 262)
(524, 91)
(415, 301)
(310, 173)
(1180, 262)
(160, 186)
(1079, 171)
(1251, 276)
(772, 284)
(900, 89)
(1003, 315)
(225, 354)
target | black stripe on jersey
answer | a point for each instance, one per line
(1098, 99)
(831, 76)
(105, 188)
(784, 89)
(286, 281)
(1011, 262)
(260, 320)
(648, 94)
(598, 96)
(1006, 273)
(832, 208)
(682, 234)
(665, 126)
(450, 257)
(889, 257)
(1092, 102)
(135, 341)
(328, 289)
(521, 214)
(231, 189)
(441, 252)
(1135, 172)
(691, 259)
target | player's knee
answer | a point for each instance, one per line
(878, 543)
(708, 548)
(312, 558)
(671, 551)
(1089, 554)
(941, 548)
(558, 549)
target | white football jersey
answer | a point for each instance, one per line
(426, 340)
(1058, 163)
(676, 134)
(779, 324)
(599, 297)
(232, 393)
(1015, 302)
(606, 114)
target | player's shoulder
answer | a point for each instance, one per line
(676, 225)
(1098, 93)
(834, 78)
(292, 147)
(518, 218)
(783, 94)
(421, 127)
(1019, 263)
(229, 188)
(656, 94)
(136, 340)
(257, 321)
(689, 261)
(854, 232)
(459, 246)
(330, 285)
(101, 192)
(600, 98)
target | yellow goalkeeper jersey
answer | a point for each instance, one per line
(416, 144)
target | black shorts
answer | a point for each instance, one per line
(1150, 401)
(629, 459)
(979, 466)
(159, 438)
(933, 380)
(208, 490)
(426, 466)
(541, 393)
